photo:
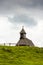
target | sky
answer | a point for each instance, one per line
(17, 13)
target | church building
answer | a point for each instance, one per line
(24, 41)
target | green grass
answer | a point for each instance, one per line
(21, 55)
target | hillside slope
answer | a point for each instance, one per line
(21, 55)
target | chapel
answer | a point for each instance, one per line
(24, 41)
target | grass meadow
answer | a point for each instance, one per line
(21, 55)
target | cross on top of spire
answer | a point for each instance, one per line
(22, 27)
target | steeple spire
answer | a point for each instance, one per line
(22, 33)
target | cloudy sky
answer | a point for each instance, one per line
(17, 13)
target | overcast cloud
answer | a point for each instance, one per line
(28, 21)
(9, 6)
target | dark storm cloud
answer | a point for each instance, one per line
(28, 21)
(8, 6)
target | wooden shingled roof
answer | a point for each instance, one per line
(25, 42)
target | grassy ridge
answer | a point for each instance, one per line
(21, 55)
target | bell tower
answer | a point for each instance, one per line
(22, 33)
